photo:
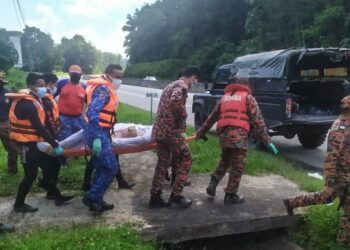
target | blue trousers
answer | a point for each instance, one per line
(69, 125)
(105, 164)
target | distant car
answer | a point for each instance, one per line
(150, 78)
(85, 78)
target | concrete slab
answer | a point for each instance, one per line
(262, 210)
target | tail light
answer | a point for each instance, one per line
(289, 104)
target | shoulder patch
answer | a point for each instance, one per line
(341, 126)
(102, 96)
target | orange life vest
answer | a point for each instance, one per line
(55, 109)
(108, 113)
(71, 100)
(22, 130)
(233, 110)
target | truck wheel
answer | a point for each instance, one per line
(312, 139)
(199, 119)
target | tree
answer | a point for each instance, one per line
(8, 54)
(78, 51)
(38, 50)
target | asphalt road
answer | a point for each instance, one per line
(290, 149)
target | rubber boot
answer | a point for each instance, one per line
(233, 199)
(288, 206)
(211, 189)
(156, 201)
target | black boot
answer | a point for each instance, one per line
(6, 228)
(211, 189)
(93, 205)
(61, 199)
(180, 200)
(107, 206)
(156, 201)
(233, 199)
(125, 185)
(25, 208)
(288, 207)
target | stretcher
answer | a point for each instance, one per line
(119, 150)
(127, 138)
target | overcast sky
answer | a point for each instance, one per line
(99, 21)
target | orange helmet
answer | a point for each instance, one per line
(345, 102)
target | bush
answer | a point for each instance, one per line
(318, 228)
(166, 69)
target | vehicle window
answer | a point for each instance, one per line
(336, 72)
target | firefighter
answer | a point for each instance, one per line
(27, 127)
(336, 174)
(168, 132)
(234, 113)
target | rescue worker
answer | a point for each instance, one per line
(51, 165)
(6, 228)
(122, 183)
(27, 127)
(336, 174)
(9, 145)
(72, 97)
(101, 116)
(168, 129)
(234, 113)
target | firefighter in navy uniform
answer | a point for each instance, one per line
(27, 127)
(234, 114)
(51, 164)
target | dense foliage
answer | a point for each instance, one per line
(41, 54)
(8, 54)
(210, 33)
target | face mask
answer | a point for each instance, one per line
(75, 77)
(41, 92)
(53, 90)
(116, 83)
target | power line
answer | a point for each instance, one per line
(17, 14)
(21, 12)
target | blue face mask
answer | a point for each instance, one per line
(41, 91)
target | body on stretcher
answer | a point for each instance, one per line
(127, 138)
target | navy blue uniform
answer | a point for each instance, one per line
(105, 164)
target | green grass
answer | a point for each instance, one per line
(78, 237)
(318, 228)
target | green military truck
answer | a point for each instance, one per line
(298, 90)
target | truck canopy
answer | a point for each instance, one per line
(274, 64)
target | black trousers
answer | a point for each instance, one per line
(51, 167)
(89, 169)
(32, 159)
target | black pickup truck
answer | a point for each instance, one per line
(298, 90)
